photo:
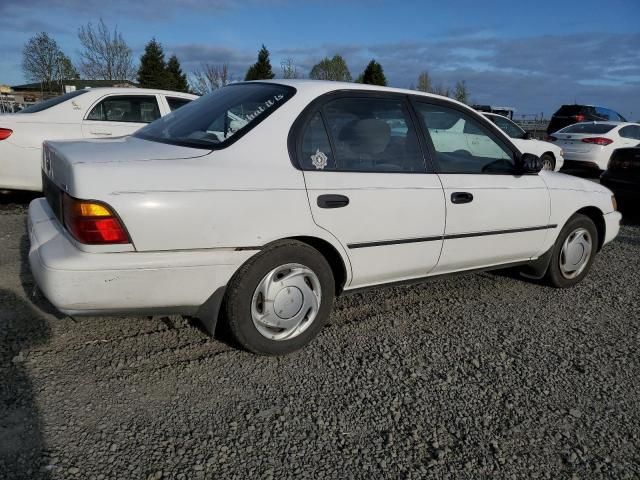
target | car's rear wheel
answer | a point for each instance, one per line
(548, 162)
(573, 252)
(280, 299)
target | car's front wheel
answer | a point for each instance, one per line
(548, 162)
(573, 252)
(280, 299)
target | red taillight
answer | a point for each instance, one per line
(578, 118)
(598, 141)
(551, 138)
(5, 133)
(93, 223)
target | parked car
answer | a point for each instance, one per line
(550, 154)
(87, 113)
(570, 114)
(260, 202)
(623, 176)
(588, 146)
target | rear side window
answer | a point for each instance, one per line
(219, 118)
(367, 135)
(316, 149)
(630, 131)
(52, 102)
(586, 127)
(123, 108)
(175, 102)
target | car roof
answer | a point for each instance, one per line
(134, 90)
(320, 87)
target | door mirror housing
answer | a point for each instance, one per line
(530, 163)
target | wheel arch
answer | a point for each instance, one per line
(596, 215)
(333, 257)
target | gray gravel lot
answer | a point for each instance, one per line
(471, 377)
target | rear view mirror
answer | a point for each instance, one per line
(530, 163)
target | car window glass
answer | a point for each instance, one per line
(135, 109)
(507, 126)
(373, 135)
(316, 150)
(588, 127)
(626, 132)
(175, 103)
(52, 102)
(462, 145)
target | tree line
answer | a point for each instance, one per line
(106, 56)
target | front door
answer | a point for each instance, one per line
(119, 115)
(494, 216)
(368, 185)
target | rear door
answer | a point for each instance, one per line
(119, 115)
(494, 215)
(369, 186)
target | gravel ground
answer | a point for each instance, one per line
(471, 377)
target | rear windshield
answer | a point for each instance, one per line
(52, 102)
(588, 128)
(217, 119)
(570, 110)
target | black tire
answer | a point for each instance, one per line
(554, 276)
(547, 157)
(236, 308)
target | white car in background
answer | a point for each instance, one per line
(589, 145)
(87, 113)
(550, 154)
(260, 202)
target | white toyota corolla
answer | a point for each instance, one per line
(87, 113)
(260, 202)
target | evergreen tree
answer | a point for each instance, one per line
(461, 93)
(176, 79)
(374, 74)
(424, 82)
(152, 72)
(261, 70)
(331, 69)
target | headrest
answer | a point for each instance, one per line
(368, 136)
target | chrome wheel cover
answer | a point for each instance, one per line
(575, 253)
(286, 302)
(547, 163)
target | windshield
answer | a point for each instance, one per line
(508, 127)
(588, 128)
(52, 102)
(220, 117)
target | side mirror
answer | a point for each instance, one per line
(530, 163)
(527, 136)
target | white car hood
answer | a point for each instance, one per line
(120, 149)
(562, 181)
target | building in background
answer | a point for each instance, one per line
(30, 93)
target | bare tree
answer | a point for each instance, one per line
(105, 55)
(289, 69)
(210, 77)
(441, 90)
(41, 59)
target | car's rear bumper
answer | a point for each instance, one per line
(612, 226)
(81, 283)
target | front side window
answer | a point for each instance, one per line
(213, 121)
(124, 108)
(372, 135)
(508, 127)
(462, 144)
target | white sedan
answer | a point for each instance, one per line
(551, 155)
(260, 202)
(88, 113)
(589, 145)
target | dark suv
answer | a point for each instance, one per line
(570, 114)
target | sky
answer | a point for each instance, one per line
(533, 56)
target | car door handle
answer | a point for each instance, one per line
(332, 201)
(104, 134)
(461, 197)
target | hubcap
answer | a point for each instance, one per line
(575, 253)
(286, 302)
(547, 164)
